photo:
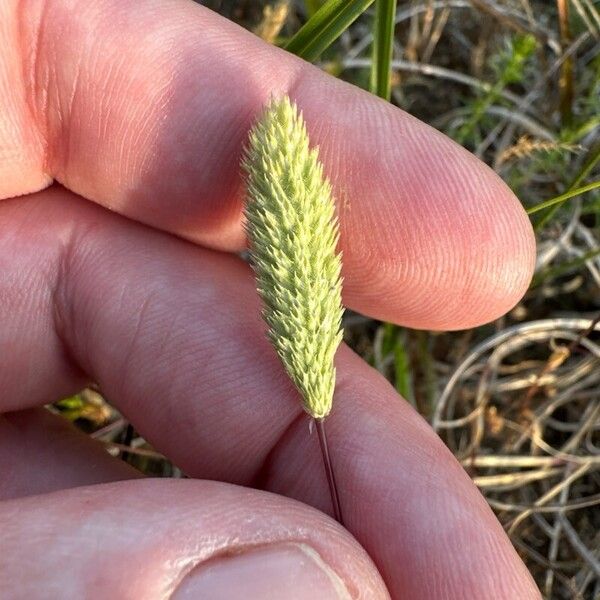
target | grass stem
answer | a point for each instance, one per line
(335, 499)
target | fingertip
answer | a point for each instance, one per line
(504, 255)
(226, 540)
(431, 237)
(440, 242)
(291, 571)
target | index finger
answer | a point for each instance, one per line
(145, 107)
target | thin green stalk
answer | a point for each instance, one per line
(589, 164)
(566, 80)
(402, 373)
(425, 359)
(325, 26)
(395, 342)
(383, 44)
(563, 197)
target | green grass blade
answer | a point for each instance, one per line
(402, 373)
(563, 197)
(325, 26)
(395, 342)
(312, 6)
(590, 162)
(427, 404)
(383, 44)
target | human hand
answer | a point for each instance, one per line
(143, 109)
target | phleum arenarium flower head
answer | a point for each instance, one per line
(293, 234)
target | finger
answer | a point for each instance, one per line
(149, 117)
(173, 335)
(191, 539)
(41, 452)
(21, 143)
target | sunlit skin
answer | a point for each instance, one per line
(121, 130)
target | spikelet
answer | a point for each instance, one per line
(293, 234)
(526, 146)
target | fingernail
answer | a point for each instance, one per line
(282, 572)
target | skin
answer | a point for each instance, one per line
(121, 129)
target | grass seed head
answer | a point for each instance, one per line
(293, 234)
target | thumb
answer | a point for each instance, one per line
(180, 539)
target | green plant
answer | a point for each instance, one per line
(325, 26)
(563, 197)
(383, 43)
(510, 68)
(591, 161)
